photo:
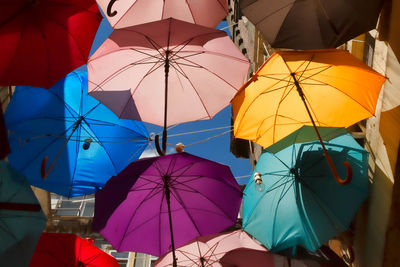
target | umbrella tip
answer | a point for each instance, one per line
(254, 77)
(179, 147)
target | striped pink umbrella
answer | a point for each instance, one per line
(125, 13)
(166, 72)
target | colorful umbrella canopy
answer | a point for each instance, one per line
(295, 88)
(125, 13)
(298, 203)
(43, 40)
(255, 258)
(21, 218)
(208, 250)
(311, 24)
(158, 203)
(84, 142)
(166, 72)
(69, 250)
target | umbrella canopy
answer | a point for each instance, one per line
(298, 203)
(69, 250)
(43, 40)
(153, 198)
(125, 13)
(311, 24)
(84, 142)
(166, 72)
(295, 88)
(338, 89)
(255, 258)
(21, 218)
(208, 250)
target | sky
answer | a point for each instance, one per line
(202, 140)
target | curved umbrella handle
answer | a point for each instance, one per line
(43, 171)
(157, 143)
(338, 179)
(109, 12)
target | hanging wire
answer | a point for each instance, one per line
(201, 131)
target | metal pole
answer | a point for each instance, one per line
(168, 197)
(327, 156)
(166, 68)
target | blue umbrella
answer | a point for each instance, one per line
(299, 203)
(65, 141)
(21, 218)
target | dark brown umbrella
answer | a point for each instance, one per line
(311, 24)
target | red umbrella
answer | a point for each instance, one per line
(69, 250)
(43, 40)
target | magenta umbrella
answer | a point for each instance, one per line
(125, 13)
(166, 72)
(207, 250)
(158, 203)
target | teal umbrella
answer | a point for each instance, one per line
(21, 218)
(292, 199)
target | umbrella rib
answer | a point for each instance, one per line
(215, 74)
(345, 95)
(75, 162)
(199, 193)
(126, 233)
(191, 12)
(127, 11)
(179, 200)
(101, 144)
(112, 124)
(197, 93)
(272, 13)
(69, 34)
(255, 99)
(44, 148)
(277, 109)
(117, 72)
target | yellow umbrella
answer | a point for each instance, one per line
(326, 87)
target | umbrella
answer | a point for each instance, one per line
(43, 40)
(59, 249)
(84, 142)
(295, 88)
(158, 203)
(297, 202)
(310, 24)
(207, 250)
(249, 257)
(125, 13)
(21, 218)
(166, 72)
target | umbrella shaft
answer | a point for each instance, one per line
(168, 197)
(166, 68)
(327, 156)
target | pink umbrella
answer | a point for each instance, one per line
(207, 250)
(244, 257)
(125, 13)
(170, 66)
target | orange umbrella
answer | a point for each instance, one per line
(327, 87)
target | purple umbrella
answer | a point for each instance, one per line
(134, 211)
